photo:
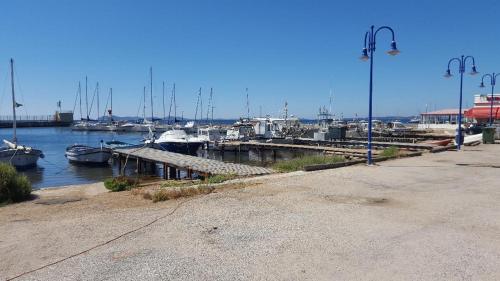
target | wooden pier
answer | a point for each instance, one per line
(174, 163)
(243, 146)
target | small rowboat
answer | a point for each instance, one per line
(84, 154)
(444, 142)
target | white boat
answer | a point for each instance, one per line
(19, 156)
(178, 141)
(84, 154)
(471, 139)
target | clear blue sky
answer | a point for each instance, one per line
(281, 50)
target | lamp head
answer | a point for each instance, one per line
(447, 74)
(364, 55)
(474, 71)
(482, 85)
(394, 50)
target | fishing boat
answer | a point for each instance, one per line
(19, 156)
(444, 142)
(83, 154)
(178, 141)
(470, 139)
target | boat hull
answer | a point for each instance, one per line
(181, 147)
(19, 158)
(89, 156)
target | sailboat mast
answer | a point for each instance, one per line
(175, 107)
(209, 103)
(98, 109)
(86, 98)
(80, 96)
(163, 99)
(144, 105)
(111, 108)
(151, 90)
(197, 103)
(14, 121)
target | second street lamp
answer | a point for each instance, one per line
(367, 54)
(461, 69)
(493, 79)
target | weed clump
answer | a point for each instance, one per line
(214, 179)
(13, 186)
(119, 184)
(297, 164)
(390, 152)
(165, 194)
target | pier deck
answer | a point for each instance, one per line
(334, 150)
(191, 164)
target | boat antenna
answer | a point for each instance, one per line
(151, 90)
(197, 103)
(14, 103)
(248, 106)
(286, 110)
(86, 98)
(331, 100)
(201, 107)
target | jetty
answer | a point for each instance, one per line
(58, 119)
(174, 163)
(244, 146)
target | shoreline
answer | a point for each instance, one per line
(303, 221)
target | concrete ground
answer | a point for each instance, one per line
(435, 217)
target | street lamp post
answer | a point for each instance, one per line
(493, 79)
(370, 42)
(461, 69)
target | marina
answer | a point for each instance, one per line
(249, 140)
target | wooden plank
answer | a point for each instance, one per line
(195, 164)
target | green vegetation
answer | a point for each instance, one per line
(13, 186)
(119, 184)
(297, 164)
(164, 194)
(219, 178)
(391, 151)
(178, 183)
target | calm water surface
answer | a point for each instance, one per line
(54, 169)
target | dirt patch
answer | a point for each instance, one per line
(58, 200)
(357, 200)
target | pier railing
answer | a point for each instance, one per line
(41, 118)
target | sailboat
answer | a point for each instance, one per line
(19, 156)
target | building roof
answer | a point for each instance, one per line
(453, 111)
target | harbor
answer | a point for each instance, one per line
(249, 140)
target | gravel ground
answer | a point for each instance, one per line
(434, 217)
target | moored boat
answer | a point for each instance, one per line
(19, 156)
(178, 141)
(84, 154)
